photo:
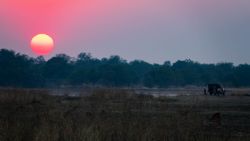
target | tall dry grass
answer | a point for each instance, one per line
(107, 115)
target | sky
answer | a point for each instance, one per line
(207, 31)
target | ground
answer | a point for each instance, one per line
(102, 114)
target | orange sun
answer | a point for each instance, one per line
(42, 44)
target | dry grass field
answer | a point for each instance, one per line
(121, 115)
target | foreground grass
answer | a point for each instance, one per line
(118, 115)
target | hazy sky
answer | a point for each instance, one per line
(207, 31)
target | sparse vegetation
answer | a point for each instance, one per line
(121, 115)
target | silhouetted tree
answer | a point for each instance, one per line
(57, 69)
(18, 70)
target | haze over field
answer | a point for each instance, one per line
(207, 31)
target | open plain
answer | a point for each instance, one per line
(111, 114)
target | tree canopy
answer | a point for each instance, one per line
(18, 70)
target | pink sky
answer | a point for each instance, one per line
(152, 30)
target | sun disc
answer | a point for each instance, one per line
(42, 44)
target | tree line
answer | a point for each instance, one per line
(19, 70)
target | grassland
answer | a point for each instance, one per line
(121, 115)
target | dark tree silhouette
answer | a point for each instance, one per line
(18, 70)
